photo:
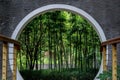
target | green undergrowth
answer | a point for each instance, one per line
(71, 74)
(108, 74)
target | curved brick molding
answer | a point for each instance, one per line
(46, 8)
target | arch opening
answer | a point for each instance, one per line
(52, 7)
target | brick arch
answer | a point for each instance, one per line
(46, 8)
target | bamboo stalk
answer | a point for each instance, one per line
(4, 60)
(114, 62)
(104, 59)
(15, 62)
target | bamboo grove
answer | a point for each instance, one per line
(61, 40)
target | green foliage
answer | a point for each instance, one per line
(105, 75)
(108, 74)
(71, 74)
(60, 39)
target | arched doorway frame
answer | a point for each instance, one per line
(52, 7)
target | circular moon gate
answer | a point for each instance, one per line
(52, 7)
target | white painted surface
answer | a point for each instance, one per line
(46, 8)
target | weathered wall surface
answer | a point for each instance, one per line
(105, 12)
